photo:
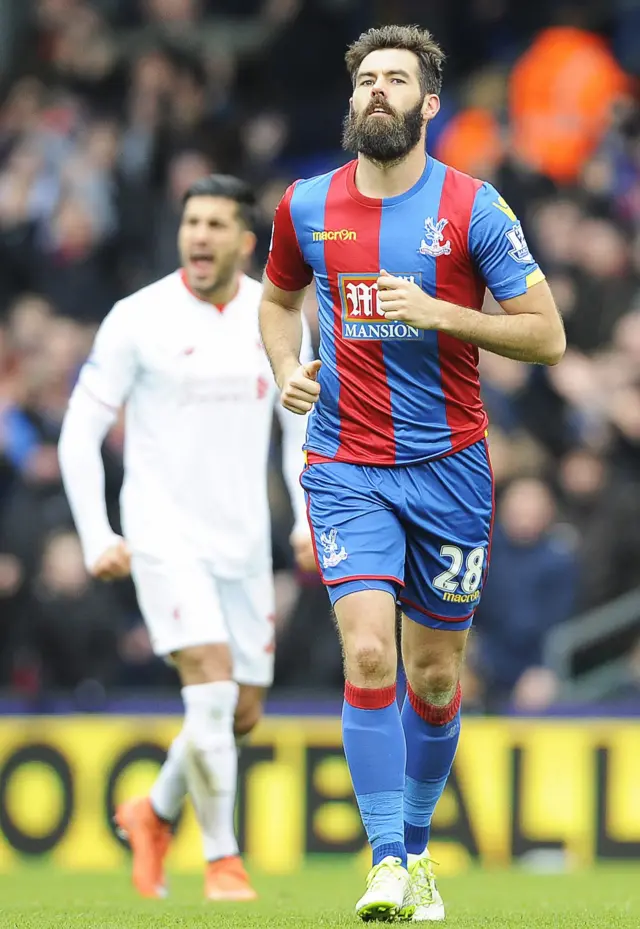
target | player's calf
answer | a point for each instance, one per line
(371, 727)
(431, 723)
(248, 710)
(210, 699)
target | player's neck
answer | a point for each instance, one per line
(379, 181)
(218, 297)
(225, 293)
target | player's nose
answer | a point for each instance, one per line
(200, 235)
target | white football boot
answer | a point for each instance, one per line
(389, 892)
(428, 902)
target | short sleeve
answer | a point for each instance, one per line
(109, 372)
(286, 267)
(499, 248)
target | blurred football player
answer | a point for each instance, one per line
(185, 359)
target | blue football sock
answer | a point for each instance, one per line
(375, 751)
(431, 734)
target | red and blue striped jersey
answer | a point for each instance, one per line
(392, 394)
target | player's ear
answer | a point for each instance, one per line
(430, 106)
(248, 243)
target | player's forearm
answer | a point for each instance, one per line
(281, 331)
(79, 451)
(523, 337)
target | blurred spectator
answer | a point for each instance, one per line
(561, 95)
(74, 620)
(531, 587)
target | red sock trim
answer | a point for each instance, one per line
(435, 715)
(364, 698)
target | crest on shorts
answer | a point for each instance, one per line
(433, 240)
(333, 554)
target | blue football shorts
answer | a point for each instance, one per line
(421, 532)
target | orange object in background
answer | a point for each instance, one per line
(471, 142)
(561, 92)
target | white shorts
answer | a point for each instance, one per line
(185, 604)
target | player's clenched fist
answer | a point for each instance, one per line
(114, 563)
(301, 389)
(406, 302)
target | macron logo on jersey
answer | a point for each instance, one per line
(335, 235)
(362, 317)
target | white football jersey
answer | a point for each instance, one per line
(199, 397)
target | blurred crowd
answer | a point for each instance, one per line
(111, 109)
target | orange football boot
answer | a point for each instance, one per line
(149, 838)
(226, 879)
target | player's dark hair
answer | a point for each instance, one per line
(229, 187)
(412, 38)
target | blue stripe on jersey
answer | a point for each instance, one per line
(413, 365)
(307, 214)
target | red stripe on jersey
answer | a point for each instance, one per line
(458, 282)
(364, 402)
(286, 267)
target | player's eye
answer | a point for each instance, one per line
(397, 80)
(367, 81)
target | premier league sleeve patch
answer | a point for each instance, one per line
(519, 248)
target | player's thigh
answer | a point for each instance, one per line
(449, 513)
(181, 607)
(248, 607)
(358, 539)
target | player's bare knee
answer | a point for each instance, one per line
(370, 662)
(435, 682)
(434, 675)
(203, 664)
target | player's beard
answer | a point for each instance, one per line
(383, 140)
(223, 276)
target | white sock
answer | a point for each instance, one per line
(170, 789)
(212, 763)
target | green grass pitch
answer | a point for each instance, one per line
(322, 895)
